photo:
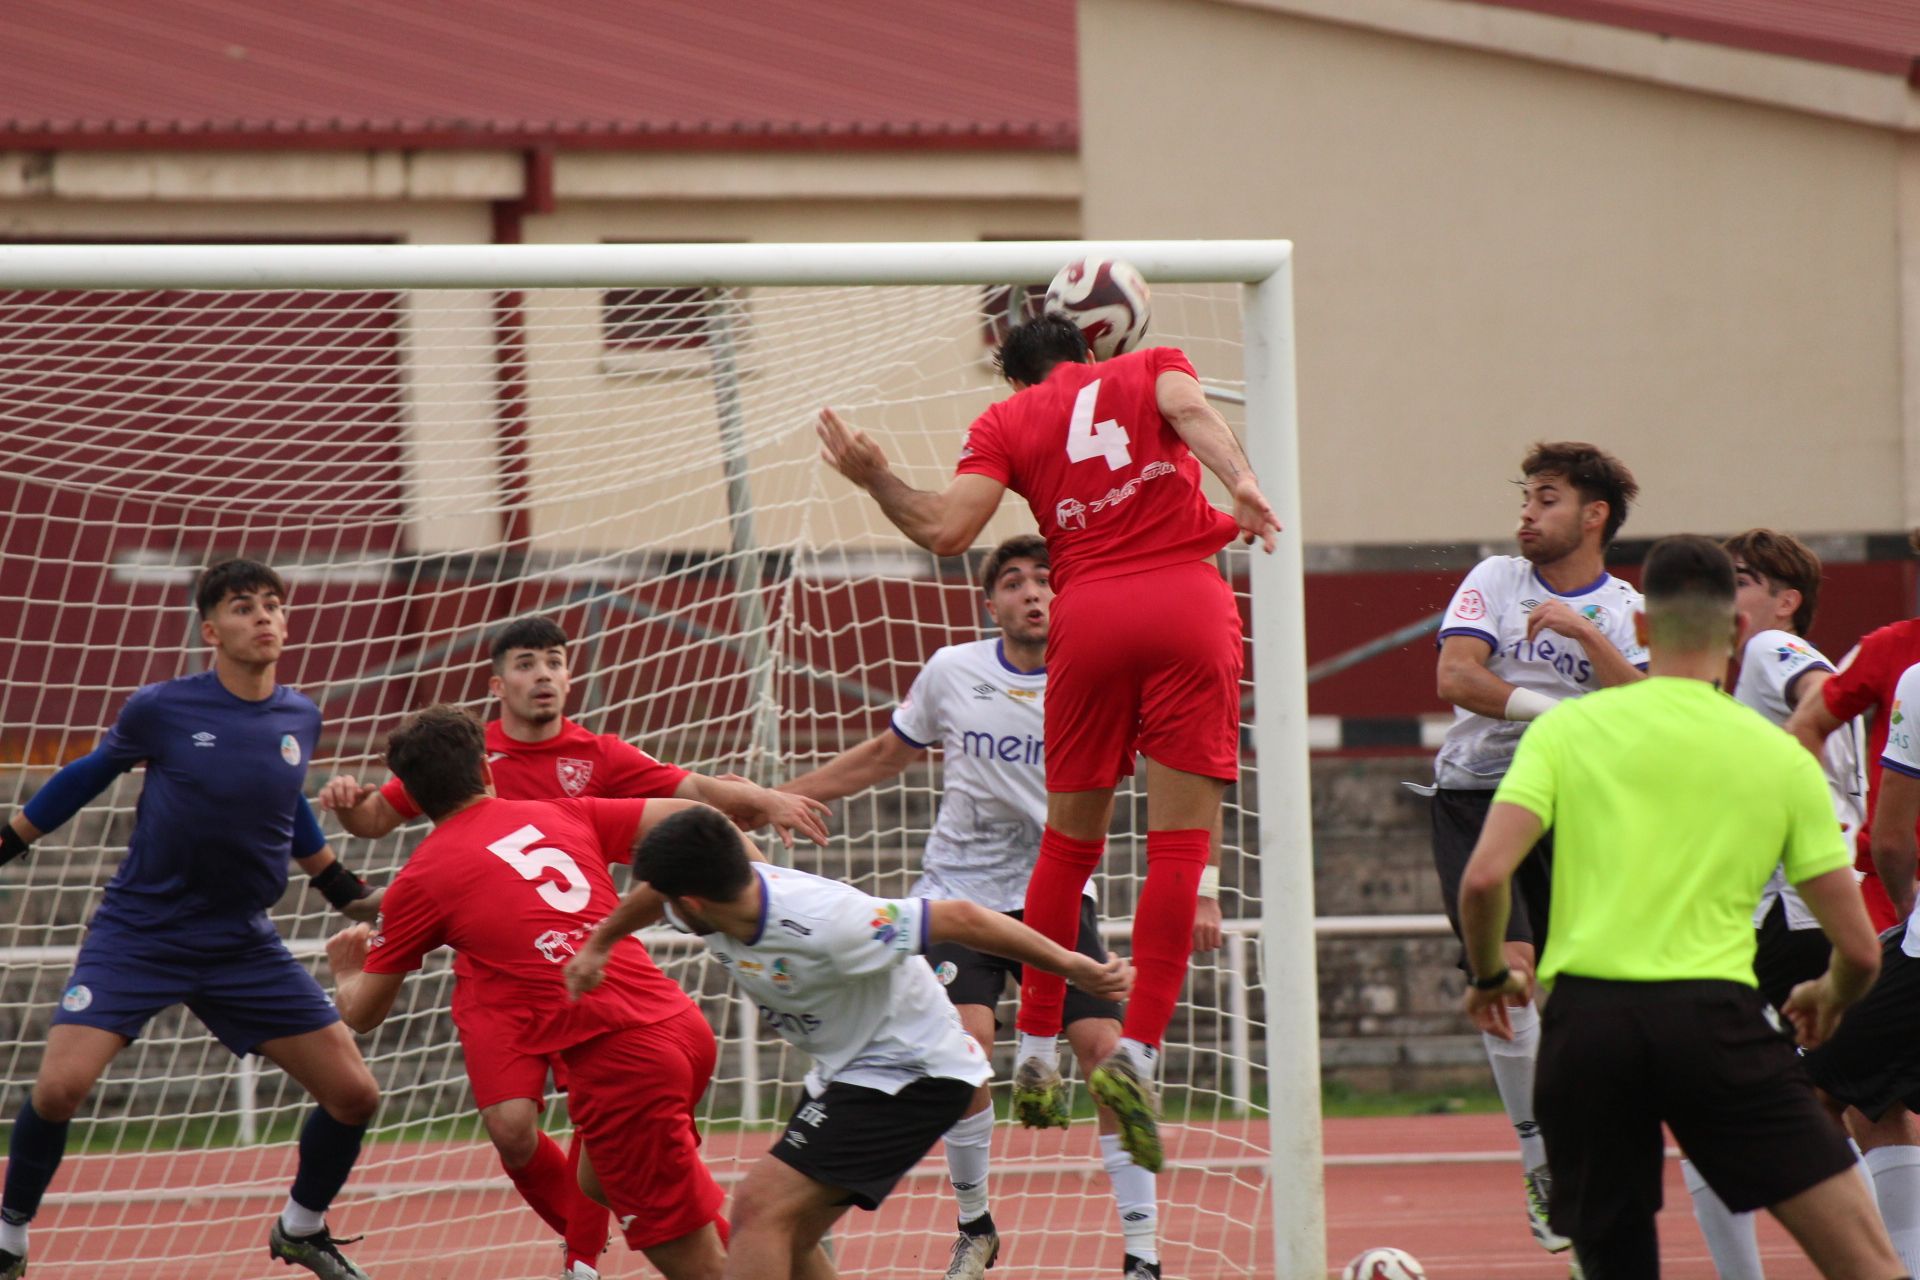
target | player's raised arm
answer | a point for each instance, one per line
(360, 808)
(996, 933)
(883, 756)
(753, 806)
(945, 523)
(1183, 403)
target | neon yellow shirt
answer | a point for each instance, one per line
(1670, 806)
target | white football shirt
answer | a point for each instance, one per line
(834, 972)
(1769, 664)
(988, 719)
(1902, 755)
(1493, 603)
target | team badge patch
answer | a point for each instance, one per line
(574, 775)
(886, 923)
(289, 749)
(1473, 607)
(77, 998)
(781, 974)
(946, 971)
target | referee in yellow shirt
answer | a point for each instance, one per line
(1670, 806)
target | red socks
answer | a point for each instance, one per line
(1053, 910)
(1162, 931)
(587, 1219)
(543, 1182)
(550, 1182)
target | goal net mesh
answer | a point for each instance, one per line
(641, 465)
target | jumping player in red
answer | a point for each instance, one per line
(1865, 682)
(1144, 652)
(535, 753)
(515, 887)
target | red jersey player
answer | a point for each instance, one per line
(1144, 653)
(1865, 682)
(515, 886)
(536, 753)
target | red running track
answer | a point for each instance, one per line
(1444, 1188)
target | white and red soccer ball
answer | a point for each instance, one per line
(1384, 1264)
(1107, 299)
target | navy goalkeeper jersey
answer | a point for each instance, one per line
(221, 811)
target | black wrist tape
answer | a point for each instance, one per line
(340, 886)
(11, 845)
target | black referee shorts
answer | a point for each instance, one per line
(974, 977)
(1618, 1059)
(1457, 819)
(1873, 1060)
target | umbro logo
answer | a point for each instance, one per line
(1132, 1215)
(794, 926)
(203, 739)
(626, 1220)
(1529, 604)
(495, 755)
(795, 1138)
(984, 691)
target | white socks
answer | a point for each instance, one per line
(1045, 1048)
(298, 1220)
(1133, 1196)
(969, 1143)
(1143, 1056)
(1896, 1189)
(1512, 1063)
(1730, 1236)
(13, 1237)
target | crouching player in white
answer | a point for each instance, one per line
(981, 704)
(831, 970)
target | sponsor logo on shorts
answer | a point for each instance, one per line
(289, 749)
(813, 1113)
(1473, 607)
(574, 775)
(886, 923)
(77, 998)
(795, 1138)
(946, 971)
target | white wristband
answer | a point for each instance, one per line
(1210, 882)
(1526, 704)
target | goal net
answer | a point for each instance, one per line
(634, 456)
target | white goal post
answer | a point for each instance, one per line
(1278, 731)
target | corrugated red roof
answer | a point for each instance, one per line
(1873, 35)
(604, 73)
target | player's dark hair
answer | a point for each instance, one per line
(1688, 581)
(440, 756)
(1022, 546)
(1597, 474)
(696, 853)
(536, 633)
(233, 578)
(1033, 348)
(1784, 561)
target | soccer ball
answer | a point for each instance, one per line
(1384, 1264)
(1107, 298)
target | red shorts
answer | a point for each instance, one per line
(1879, 906)
(1146, 662)
(633, 1100)
(499, 1072)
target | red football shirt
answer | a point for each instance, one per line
(1865, 682)
(1113, 487)
(514, 887)
(571, 763)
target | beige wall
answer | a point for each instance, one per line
(1492, 249)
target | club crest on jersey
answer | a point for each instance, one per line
(781, 973)
(289, 749)
(1596, 614)
(1473, 607)
(574, 775)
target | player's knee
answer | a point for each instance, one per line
(58, 1096)
(516, 1140)
(353, 1101)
